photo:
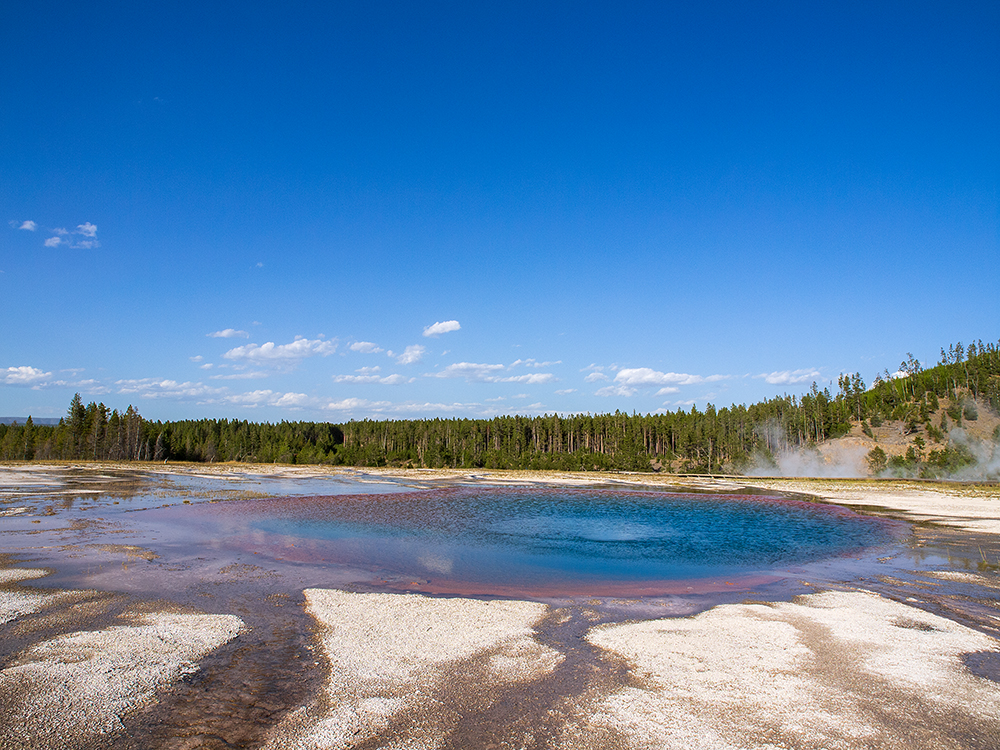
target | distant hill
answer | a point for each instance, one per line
(35, 420)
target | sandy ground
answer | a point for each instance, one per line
(66, 691)
(857, 665)
(972, 507)
(829, 670)
(396, 659)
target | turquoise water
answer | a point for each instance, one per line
(552, 538)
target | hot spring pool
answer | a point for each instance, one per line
(487, 540)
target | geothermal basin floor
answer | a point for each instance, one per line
(109, 638)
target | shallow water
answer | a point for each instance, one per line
(536, 540)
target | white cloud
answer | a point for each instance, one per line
(369, 375)
(427, 407)
(629, 380)
(228, 333)
(153, 388)
(252, 375)
(23, 375)
(89, 386)
(484, 373)
(443, 327)
(268, 398)
(356, 403)
(292, 399)
(61, 234)
(84, 230)
(595, 376)
(565, 391)
(788, 377)
(411, 355)
(534, 363)
(38, 380)
(615, 390)
(644, 376)
(365, 347)
(535, 377)
(471, 371)
(206, 366)
(282, 353)
(251, 398)
(196, 358)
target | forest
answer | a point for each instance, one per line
(928, 404)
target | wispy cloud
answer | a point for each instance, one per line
(272, 353)
(365, 347)
(38, 380)
(595, 376)
(428, 407)
(252, 375)
(630, 380)
(615, 390)
(200, 393)
(23, 375)
(790, 377)
(565, 391)
(410, 355)
(533, 363)
(351, 404)
(486, 373)
(443, 327)
(228, 333)
(269, 398)
(64, 238)
(644, 376)
(168, 389)
(535, 377)
(471, 371)
(370, 375)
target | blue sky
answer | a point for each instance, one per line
(277, 211)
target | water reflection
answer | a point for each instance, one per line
(542, 538)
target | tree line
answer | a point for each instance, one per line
(714, 440)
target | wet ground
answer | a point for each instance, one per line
(87, 527)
